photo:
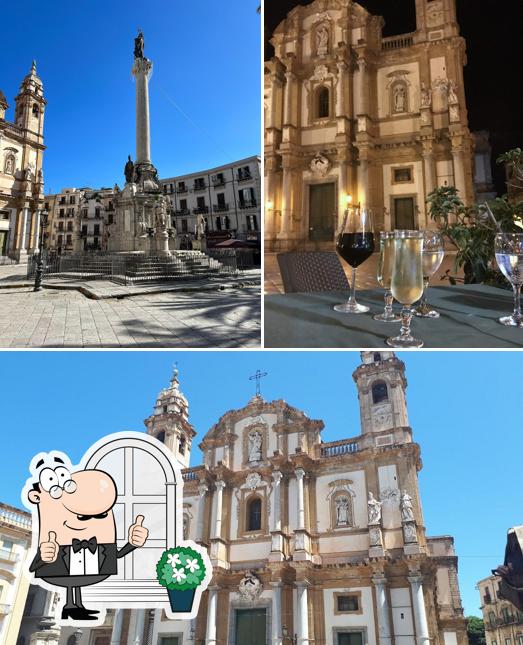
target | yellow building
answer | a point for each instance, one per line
(503, 622)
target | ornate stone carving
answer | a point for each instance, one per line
(434, 14)
(375, 536)
(321, 72)
(253, 481)
(410, 534)
(320, 165)
(373, 509)
(426, 96)
(407, 513)
(255, 442)
(452, 90)
(389, 494)
(250, 587)
(342, 511)
(322, 39)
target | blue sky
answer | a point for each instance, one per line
(206, 58)
(463, 409)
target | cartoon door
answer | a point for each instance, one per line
(146, 485)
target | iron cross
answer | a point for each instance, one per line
(257, 377)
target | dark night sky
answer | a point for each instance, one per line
(493, 80)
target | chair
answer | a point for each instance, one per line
(307, 271)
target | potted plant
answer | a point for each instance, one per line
(181, 570)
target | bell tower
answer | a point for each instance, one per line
(381, 384)
(30, 106)
(169, 422)
(436, 19)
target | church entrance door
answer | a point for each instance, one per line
(251, 627)
(404, 213)
(350, 638)
(322, 212)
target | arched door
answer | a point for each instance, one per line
(146, 484)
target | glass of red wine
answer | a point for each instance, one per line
(355, 244)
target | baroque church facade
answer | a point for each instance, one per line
(310, 541)
(351, 113)
(21, 178)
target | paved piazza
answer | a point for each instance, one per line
(52, 318)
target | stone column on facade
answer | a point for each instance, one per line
(220, 485)
(382, 605)
(418, 605)
(142, 70)
(136, 636)
(36, 229)
(303, 612)
(459, 173)
(200, 523)
(300, 476)
(362, 85)
(276, 83)
(277, 638)
(286, 200)
(287, 101)
(363, 183)
(116, 633)
(212, 603)
(340, 89)
(23, 230)
(277, 548)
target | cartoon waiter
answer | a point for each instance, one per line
(77, 532)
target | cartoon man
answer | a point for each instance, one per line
(77, 532)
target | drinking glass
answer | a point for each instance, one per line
(509, 256)
(407, 282)
(355, 244)
(384, 275)
(433, 252)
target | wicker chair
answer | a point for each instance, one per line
(306, 271)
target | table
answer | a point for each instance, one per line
(469, 318)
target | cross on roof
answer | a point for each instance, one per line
(257, 377)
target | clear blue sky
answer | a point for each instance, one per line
(206, 58)
(464, 410)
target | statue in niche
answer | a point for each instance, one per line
(426, 96)
(129, 170)
(407, 513)
(342, 511)
(138, 45)
(9, 165)
(400, 98)
(374, 509)
(322, 40)
(452, 92)
(255, 446)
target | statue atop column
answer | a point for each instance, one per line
(138, 45)
(129, 170)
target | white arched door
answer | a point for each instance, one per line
(146, 484)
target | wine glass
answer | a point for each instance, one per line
(433, 252)
(384, 275)
(407, 282)
(355, 244)
(509, 256)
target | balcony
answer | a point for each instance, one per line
(6, 555)
(183, 212)
(181, 189)
(397, 42)
(244, 176)
(201, 210)
(218, 181)
(220, 208)
(343, 447)
(199, 185)
(191, 474)
(248, 204)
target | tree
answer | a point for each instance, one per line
(475, 630)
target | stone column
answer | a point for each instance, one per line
(202, 491)
(36, 231)
(142, 70)
(276, 83)
(428, 165)
(363, 183)
(276, 613)
(459, 173)
(300, 475)
(116, 634)
(289, 86)
(220, 485)
(139, 625)
(276, 500)
(286, 201)
(23, 230)
(363, 86)
(303, 612)
(382, 604)
(211, 616)
(420, 614)
(340, 89)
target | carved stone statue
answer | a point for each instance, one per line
(342, 511)
(407, 514)
(426, 96)
(322, 40)
(129, 170)
(200, 227)
(255, 446)
(138, 45)
(9, 165)
(250, 587)
(374, 509)
(452, 92)
(400, 99)
(160, 213)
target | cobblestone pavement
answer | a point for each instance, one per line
(365, 276)
(49, 318)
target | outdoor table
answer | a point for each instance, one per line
(469, 318)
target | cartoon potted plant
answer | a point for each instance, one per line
(181, 570)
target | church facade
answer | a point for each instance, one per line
(350, 114)
(21, 178)
(310, 541)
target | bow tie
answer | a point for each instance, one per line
(91, 544)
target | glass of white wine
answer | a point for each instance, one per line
(433, 252)
(407, 282)
(384, 275)
(509, 256)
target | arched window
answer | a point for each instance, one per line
(377, 357)
(323, 102)
(380, 392)
(254, 509)
(161, 436)
(36, 109)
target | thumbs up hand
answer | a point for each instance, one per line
(49, 549)
(137, 533)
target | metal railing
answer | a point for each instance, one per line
(191, 474)
(244, 176)
(239, 259)
(16, 519)
(199, 186)
(182, 189)
(220, 208)
(343, 447)
(201, 210)
(7, 554)
(248, 204)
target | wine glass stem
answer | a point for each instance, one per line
(352, 298)
(424, 295)
(388, 304)
(406, 317)
(517, 302)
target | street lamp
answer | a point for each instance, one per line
(78, 635)
(40, 264)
